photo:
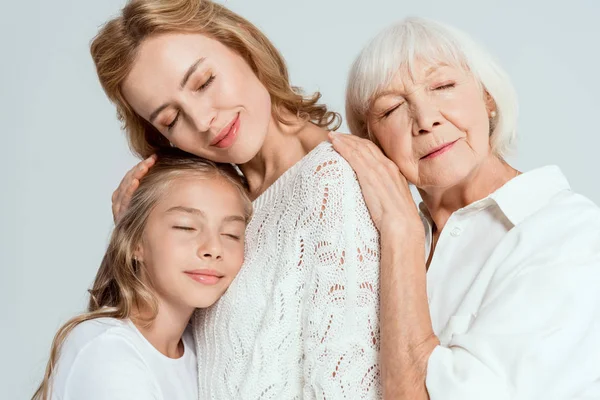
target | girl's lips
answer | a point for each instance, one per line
(206, 279)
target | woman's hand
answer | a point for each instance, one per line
(122, 196)
(385, 189)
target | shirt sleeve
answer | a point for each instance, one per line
(110, 368)
(535, 335)
(340, 314)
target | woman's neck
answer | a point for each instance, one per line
(491, 175)
(166, 330)
(283, 147)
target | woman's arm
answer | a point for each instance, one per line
(534, 335)
(407, 337)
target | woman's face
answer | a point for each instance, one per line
(203, 97)
(434, 125)
(193, 244)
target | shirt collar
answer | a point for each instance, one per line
(520, 197)
(529, 192)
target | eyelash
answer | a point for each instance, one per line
(202, 87)
(390, 111)
(184, 228)
(445, 86)
(207, 83)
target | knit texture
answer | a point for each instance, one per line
(300, 321)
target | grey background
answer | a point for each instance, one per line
(63, 153)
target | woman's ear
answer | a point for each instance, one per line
(490, 104)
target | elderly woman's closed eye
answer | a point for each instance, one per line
(504, 304)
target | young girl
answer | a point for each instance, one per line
(301, 319)
(176, 248)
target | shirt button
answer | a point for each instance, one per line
(456, 231)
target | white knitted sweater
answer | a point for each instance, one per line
(300, 321)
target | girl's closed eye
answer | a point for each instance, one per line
(232, 236)
(184, 228)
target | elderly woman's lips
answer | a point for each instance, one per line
(439, 150)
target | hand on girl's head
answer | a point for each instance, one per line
(130, 182)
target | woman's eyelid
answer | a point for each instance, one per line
(201, 79)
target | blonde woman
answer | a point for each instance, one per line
(176, 248)
(301, 318)
(505, 303)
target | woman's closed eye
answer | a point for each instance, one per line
(444, 86)
(206, 83)
(173, 122)
(389, 111)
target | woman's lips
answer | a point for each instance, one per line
(439, 150)
(228, 134)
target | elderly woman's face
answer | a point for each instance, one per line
(433, 125)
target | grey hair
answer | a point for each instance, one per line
(416, 39)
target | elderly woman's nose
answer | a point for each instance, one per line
(426, 116)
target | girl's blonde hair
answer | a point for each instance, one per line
(118, 289)
(115, 47)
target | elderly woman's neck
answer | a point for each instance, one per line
(491, 175)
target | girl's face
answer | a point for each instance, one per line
(202, 96)
(193, 243)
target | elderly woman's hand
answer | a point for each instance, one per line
(385, 189)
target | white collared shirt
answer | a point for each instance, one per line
(514, 295)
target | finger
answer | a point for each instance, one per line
(115, 212)
(142, 168)
(357, 158)
(126, 198)
(376, 173)
(367, 144)
(382, 160)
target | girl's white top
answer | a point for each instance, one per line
(300, 321)
(109, 359)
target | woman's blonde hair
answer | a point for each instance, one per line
(118, 289)
(401, 45)
(115, 47)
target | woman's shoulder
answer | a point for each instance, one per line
(566, 226)
(323, 162)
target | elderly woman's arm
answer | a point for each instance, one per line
(533, 336)
(407, 337)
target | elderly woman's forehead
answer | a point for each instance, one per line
(416, 73)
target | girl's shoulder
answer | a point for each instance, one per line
(101, 354)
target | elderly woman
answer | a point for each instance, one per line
(505, 304)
